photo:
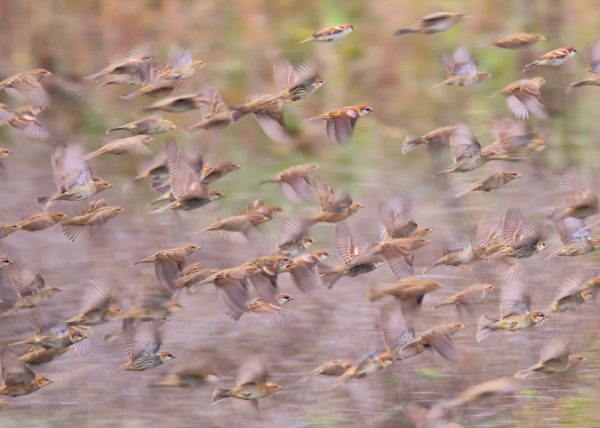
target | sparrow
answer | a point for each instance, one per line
(176, 255)
(231, 285)
(520, 239)
(341, 122)
(371, 363)
(555, 58)
(294, 238)
(518, 40)
(437, 340)
(187, 191)
(149, 125)
(137, 66)
(409, 291)
(523, 98)
(27, 85)
(156, 87)
(254, 215)
(155, 167)
(60, 336)
(295, 84)
(515, 312)
(17, 378)
(97, 307)
(192, 274)
(142, 346)
(73, 176)
(356, 261)
(39, 222)
(335, 206)
(260, 307)
(32, 294)
(495, 180)
(472, 295)
(25, 119)
(38, 355)
(303, 270)
(251, 384)
(214, 113)
(581, 200)
(455, 254)
(436, 137)
(462, 69)
(94, 214)
(136, 144)
(590, 81)
(181, 65)
(7, 228)
(395, 214)
(433, 23)
(330, 34)
(266, 109)
(465, 150)
(331, 368)
(295, 182)
(514, 141)
(594, 60)
(572, 293)
(576, 239)
(555, 357)
(217, 170)
(195, 373)
(177, 104)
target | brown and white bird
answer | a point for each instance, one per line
(214, 113)
(335, 206)
(410, 292)
(472, 295)
(341, 122)
(295, 182)
(433, 23)
(25, 119)
(523, 98)
(304, 270)
(466, 151)
(17, 378)
(518, 40)
(135, 68)
(97, 307)
(149, 125)
(579, 197)
(554, 58)
(142, 343)
(462, 69)
(437, 137)
(514, 140)
(136, 144)
(555, 357)
(330, 34)
(295, 84)
(594, 61)
(27, 85)
(493, 181)
(95, 213)
(177, 104)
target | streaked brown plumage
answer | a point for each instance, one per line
(39, 355)
(335, 206)
(41, 221)
(303, 270)
(97, 307)
(137, 65)
(94, 214)
(518, 40)
(472, 295)
(177, 254)
(136, 144)
(266, 109)
(341, 122)
(17, 378)
(295, 182)
(555, 58)
(295, 84)
(330, 34)
(214, 113)
(177, 103)
(438, 136)
(577, 193)
(149, 125)
(142, 345)
(32, 294)
(462, 69)
(27, 85)
(514, 141)
(493, 181)
(523, 98)
(437, 339)
(60, 336)
(192, 274)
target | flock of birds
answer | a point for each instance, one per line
(184, 182)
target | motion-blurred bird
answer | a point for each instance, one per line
(341, 122)
(295, 83)
(523, 98)
(259, 307)
(97, 307)
(142, 346)
(409, 291)
(495, 180)
(214, 113)
(437, 339)
(137, 65)
(176, 255)
(335, 206)
(555, 357)
(472, 295)
(95, 213)
(462, 69)
(433, 23)
(295, 182)
(518, 40)
(59, 336)
(555, 58)
(30, 294)
(25, 119)
(330, 34)
(136, 144)
(572, 293)
(577, 193)
(196, 372)
(27, 85)
(17, 378)
(149, 125)
(437, 137)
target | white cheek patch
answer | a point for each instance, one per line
(352, 113)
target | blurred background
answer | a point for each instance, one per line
(238, 41)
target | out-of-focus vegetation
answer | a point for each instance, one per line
(238, 40)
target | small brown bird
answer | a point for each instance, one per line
(335, 206)
(577, 192)
(520, 239)
(303, 270)
(472, 295)
(462, 69)
(38, 355)
(576, 239)
(455, 254)
(594, 60)
(295, 182)
(515, 312)
(437, 339)
(294, 238)
(97, 307)
(73, 176)
(94, 214)
(409, 291)
(7, 228)
(555, 58)
(555, 357)
(25, 119)
(155, 167)
(254, 215)
(17, 378)
(136, 144)
(27, 85)
(41, 221)
(466, 151)
(295, 84)
(395, 213)
(32, 294)
(214, 113)
(155, 87)
(433, 23)
(217, 170)
(59, 336)
(371, 363)
(177, 255)
(137, 66)
(251, 384)
(330, 34)
(177, 103)
(341, 122)
(195, 373)
(495, 180)
(518, 40)
(192, 274)
(266, 109)
(181, 65)
(523, 98)
(142, 346)
(573, 292)
(331, 368)
(260, 307)
(149, 125)
(590, 81)
(437, 137)
(514, 141)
